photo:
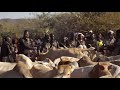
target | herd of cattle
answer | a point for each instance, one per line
(63, 63)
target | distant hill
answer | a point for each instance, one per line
(13, 20)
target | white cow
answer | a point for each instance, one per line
(20, 69)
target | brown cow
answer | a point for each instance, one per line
(83, 72)
(100, 69)
(57, 53)
(62, 75)
(63, 70)
(65, 67)
(115, 71)
(42, 71)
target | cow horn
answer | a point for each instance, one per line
(43, 53)
(60, 58)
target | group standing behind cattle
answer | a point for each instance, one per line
(108, 45)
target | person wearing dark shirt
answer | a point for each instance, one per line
(15, 46)
(6, 50)
(72, 41)
(25, 44)
(45, 43)
(116, 50)
(53, 41)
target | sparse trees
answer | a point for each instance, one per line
(62, 23)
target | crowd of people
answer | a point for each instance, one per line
(108, 44)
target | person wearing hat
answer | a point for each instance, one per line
(109, 42)
(81, 41)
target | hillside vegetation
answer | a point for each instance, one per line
(61, 23)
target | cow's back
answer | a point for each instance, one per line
(5, 66)
(82, 72)
(57, 53)
(11, 74)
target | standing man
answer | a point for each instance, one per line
(53, 41)
(7, 50)
(45, 42)
(25, 44)
(117, 43)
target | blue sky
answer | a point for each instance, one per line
(16, 15)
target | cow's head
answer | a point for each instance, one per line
(100, 69)
(66, 67)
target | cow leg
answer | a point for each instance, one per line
(11, 59)
(5, 59)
